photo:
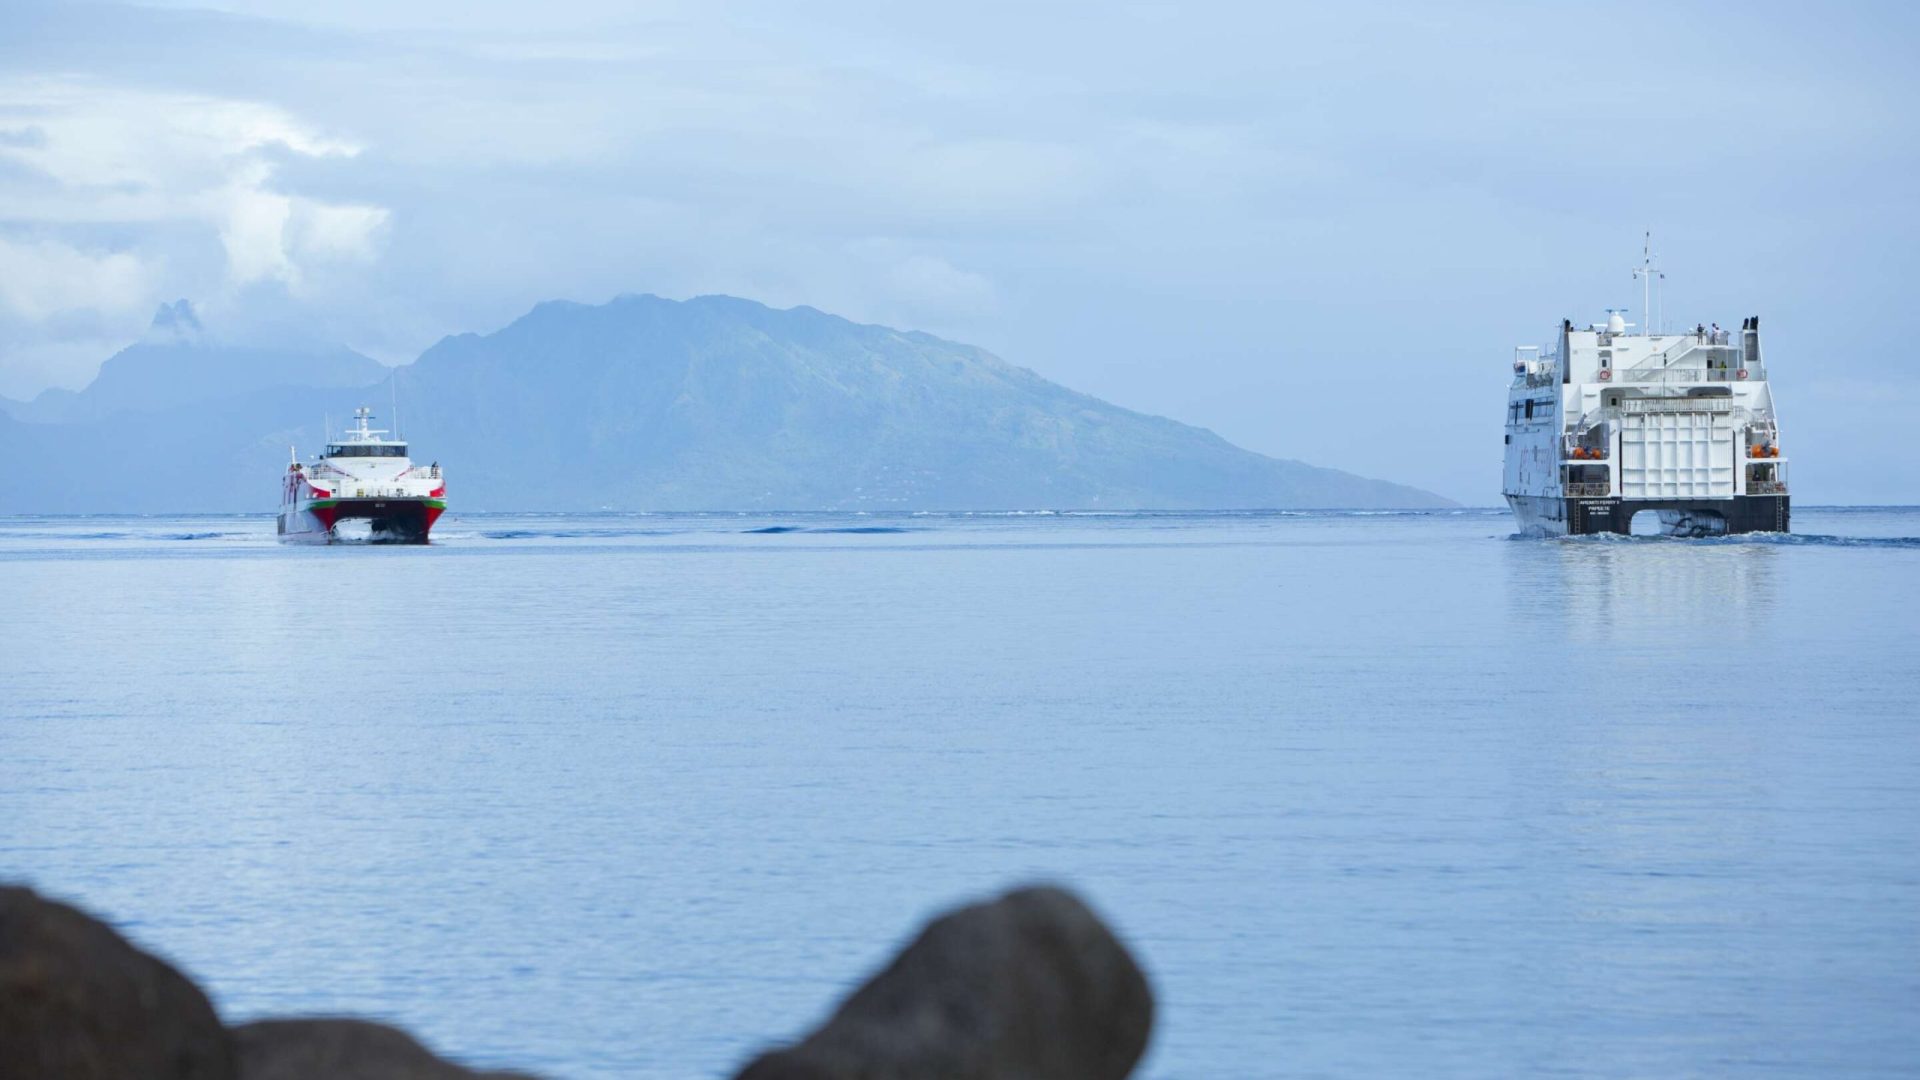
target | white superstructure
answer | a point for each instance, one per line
(1605, 422)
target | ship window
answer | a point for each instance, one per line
(1529, 408)
(359, 450)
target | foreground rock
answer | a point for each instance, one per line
(78, 1002)
(1030, 986)
(338, 1049)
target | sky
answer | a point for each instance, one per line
(1317, 229)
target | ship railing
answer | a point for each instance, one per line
(378, 491)
(1684, 405)
(1750, 373)
(1766, 487)
(1718, 353)
(1589, 491)
(422, 472)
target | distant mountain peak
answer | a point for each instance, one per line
(713, 403)
(721, 402)
(175, 324)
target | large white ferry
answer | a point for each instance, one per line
(1606, 423)
(365, 476)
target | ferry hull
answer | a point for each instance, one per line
(1543, 515)
(392, 520)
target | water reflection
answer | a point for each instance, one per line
(1640, 593)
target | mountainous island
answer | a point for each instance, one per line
(641, 403)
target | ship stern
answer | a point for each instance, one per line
(1739, 515)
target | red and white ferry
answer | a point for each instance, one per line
(366, 476)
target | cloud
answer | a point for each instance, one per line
(42, 279)
(124, 158)
(322, 231)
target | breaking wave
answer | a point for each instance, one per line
(1741, 540)
(853, 530)
(563, 534)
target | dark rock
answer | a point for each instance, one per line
(1030, 986)
(78, 1002)
(341, 1049)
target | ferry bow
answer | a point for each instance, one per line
(364, 475)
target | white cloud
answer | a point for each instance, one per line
(253, 225)
(43, 279)
(319, 230)
(120, 156)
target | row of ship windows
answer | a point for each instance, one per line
(366, 451)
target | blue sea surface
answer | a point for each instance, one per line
(615, 795)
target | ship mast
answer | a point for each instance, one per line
(1646, 272)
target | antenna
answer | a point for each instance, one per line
(393, 387)
(1646, 272)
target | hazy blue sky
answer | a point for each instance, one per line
(1318, 230)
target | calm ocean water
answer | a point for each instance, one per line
(613, 796)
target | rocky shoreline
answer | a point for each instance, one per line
(1030, 984)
